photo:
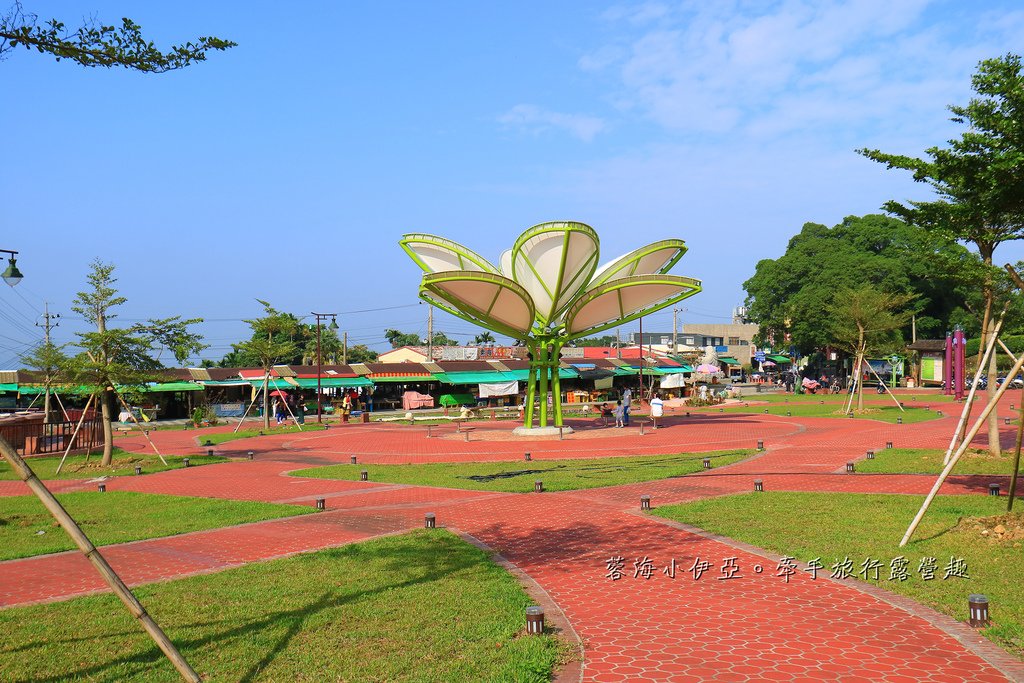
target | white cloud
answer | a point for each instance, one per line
(531, 118)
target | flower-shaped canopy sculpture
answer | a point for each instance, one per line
(549, 291)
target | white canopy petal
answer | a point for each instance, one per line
(487, 299)
(624, 299)
(436, 254)
(654, 259)
(554, 262)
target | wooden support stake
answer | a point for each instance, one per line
(71, 441)
(965, 413)
(895, 400)
(1016, 454)
(960, 451)
(141, 428)
(62, 408)
(98, 561)
(263, 387)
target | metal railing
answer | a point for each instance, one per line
(36, 438)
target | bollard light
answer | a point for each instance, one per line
(765, 411)
(939, 413)
(870, 455)
(138, 469)
(850, 467)
(352, 459)
(184, 428)
(789, 413)
(721, 410)
(364, 476)
(101, 488)
(707, 463)
(145, 432)
(687, 413)
(429, 520)
(758, 485)
(209, 452)
(760, 445)
(326, 427)
(321, 504)
(261, 432)
(927, 407)
(527, 457)
(821, 403)
(535, 620)
(184, 461)
(849, 414)
(888, 444)
(993, 489)
(645, 502)
(977, 606)
(1006, 420)
(538, 487)
(913, 398)
(899, 420)
(250, 455)
(208, 443)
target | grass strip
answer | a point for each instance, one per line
(519, 477)
(425, 606)
(929, 461)
(27, 529)
(76, 467)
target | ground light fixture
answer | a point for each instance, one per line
(11, 275)
(977, 606)
(538, 487)
(429, 520)
(352, 459)
(364, 476)
(250, 454)
(758, 485)
(760, 445)
(993, 489)
(645, 502)
(870, 455)
(850, 467)
(101, 487)
(321, 504)
(888, 444)
(707, 463)
(185, 462)
(535, 620)
(527, 457)
(138, 469)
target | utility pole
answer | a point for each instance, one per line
(618, 343)
(430, 333)
(344, 348)
(675, 330)
(47, 326)
(319, 360)
(913, 328)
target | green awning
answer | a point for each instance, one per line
(174, 386)
(676, 370)
(728, 361)
(779, 359)
(224, 382)
(30, 389)
(8, 387)
(629, 372)
(329, 382)
(273, 383)
(523, 375)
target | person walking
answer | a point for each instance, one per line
(619, 412)
(627, 399)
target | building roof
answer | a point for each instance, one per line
(928, 345)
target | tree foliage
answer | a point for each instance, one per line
(795, 293)
(99, 45)
(606, 340)
(114, 358)
(272, 342)
(398, 339)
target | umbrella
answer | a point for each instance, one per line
(707, 369)
(279, 393)
(768, 364)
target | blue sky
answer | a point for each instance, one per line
(288, 168)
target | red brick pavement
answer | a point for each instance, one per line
(755, 627)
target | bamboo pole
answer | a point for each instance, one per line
(263, 387)
(968, 402)
(895, 400)
(1016, 455)
(289, 409)
(960, 451)
(141, 428)
(74, 435)
(62, 408)
(848, 405)
(98, 561)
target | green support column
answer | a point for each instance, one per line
(542, 350)
(531, 386)
(556, 383)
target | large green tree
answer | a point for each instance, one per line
(794, 294)
(113, 358)
(979, 180)
(98, 45)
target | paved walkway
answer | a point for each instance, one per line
(754, 627)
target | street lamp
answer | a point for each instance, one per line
(332, 326)
(12, 275)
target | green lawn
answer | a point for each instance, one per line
(75, 467)
(224, 437)
(518, 477)
(120, 516)
(883, 413)
(911, 400)
(832, 526)
(929, 461)
(424, 606)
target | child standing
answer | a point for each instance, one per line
(619, 411)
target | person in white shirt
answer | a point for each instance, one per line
(657, 409)
(627, 399)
